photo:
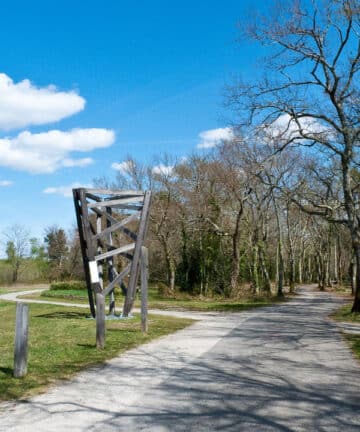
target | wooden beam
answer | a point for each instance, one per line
(21, 340)
(144, 266)
(116, 202)
(110, 265)
(79, 219)
(111, 218)
(119, 225)
(129, 300)
(113, 252)
(119, 193)
(100, 321)
(117, 280)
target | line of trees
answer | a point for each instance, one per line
(225, 223)
(279, 203)
(28, 259)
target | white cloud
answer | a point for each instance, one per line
(77, 162)
(23, 104)
(48, 151)
(65, 191)
(163, 169)
(123, 167)
(285, 128)
(4, 183)
(213, 137)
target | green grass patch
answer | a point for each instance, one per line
(180, 301)
(354, 341)
(208, 305)
(344, 314)
(69, 285)
(62, 342)
(73, 294)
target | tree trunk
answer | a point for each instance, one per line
(280, 284)
(321, 272)
(300, 263)
(280, 270)
(170, 266)
(356, 304)
(352, 272)
(236, 253)
(267, 283)
(255, 272)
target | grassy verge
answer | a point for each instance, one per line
(157, 301)
(354, 342)
(75, 294)
(208, 305)
(62, 342)
(344, 315)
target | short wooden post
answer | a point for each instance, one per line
(21, 340)
(100, 321)
(144, 267)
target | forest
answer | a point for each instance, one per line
(275, 205)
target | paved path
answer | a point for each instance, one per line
(281, 368)
(16, 296)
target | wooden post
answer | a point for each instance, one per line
(134, 273)
(100, 321)
(110, 262)
(144, 288)
(21, 340)
(79, 199)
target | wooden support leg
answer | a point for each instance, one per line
(100, 321)
(144, 267)
(21, 340)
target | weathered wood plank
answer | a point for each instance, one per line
(119, 225)
(110, 262)
(93, 197)
(113, 252)
(113, 192)
(99, 250)
(144, 271)
(111, 218)
(116, 202)
(134, 273)
(79, 219)
(100, 321)
(21, 340)
(127, 207)
(117, 280)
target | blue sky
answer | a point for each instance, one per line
(139, 78)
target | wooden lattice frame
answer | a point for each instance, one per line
(94, 207)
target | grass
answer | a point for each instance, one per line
(180, 301)
(344, 314)
(354, 342)
(62, 342)
(73, 294)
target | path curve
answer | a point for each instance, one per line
(280, 368)
(16, 297)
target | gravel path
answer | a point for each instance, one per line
(280, 368)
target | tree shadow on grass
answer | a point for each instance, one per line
(7, 370)
(64, 315)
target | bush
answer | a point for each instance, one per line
(70, 285)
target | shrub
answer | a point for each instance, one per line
(69, 285)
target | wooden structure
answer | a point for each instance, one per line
(112, 228)
(21, 340)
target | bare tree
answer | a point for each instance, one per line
(16, 239)
(310, 96)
